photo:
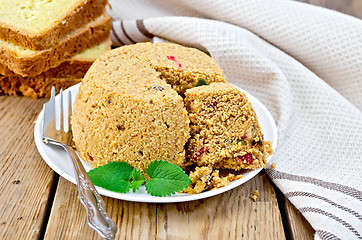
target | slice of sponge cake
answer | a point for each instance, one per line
(65, 75)
(40, 24)
(27, 62)
(225, 131)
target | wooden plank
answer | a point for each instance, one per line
(68, 218)
(231, 215)
(25, 179)
(299, 228)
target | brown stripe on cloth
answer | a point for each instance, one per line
(327, 235)
(116, 35)
(312, 195)
(328, 185)
(141, 27)
(126, 34)
(330, 215)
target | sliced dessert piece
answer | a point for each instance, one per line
(225, 132)
(25, 62)
(41, 24)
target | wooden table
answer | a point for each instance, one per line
(38, 204)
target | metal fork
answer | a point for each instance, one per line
(97, 217)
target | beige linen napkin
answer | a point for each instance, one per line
(305, 64)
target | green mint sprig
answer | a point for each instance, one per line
(138, 179)
(165, 178)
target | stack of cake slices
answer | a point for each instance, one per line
(45, 43)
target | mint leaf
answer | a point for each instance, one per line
(138, 179)
(166, 179)
(114, 176)
(201, 82)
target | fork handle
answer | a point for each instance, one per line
(97, 216)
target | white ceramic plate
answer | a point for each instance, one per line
(59, 161)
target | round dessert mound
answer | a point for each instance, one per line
(125, 112)
(225, 131)
(130, 108)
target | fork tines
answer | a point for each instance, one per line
(60, 109)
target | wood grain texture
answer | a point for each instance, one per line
(68, 217)
(299, 228)
(25, 179)
(231, 215)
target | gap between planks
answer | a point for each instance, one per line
(295, 225)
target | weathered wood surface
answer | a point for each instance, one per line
(28, 187)
(232, 215)
(25, 179)
(68, 218)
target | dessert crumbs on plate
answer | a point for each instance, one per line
(206, 178)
